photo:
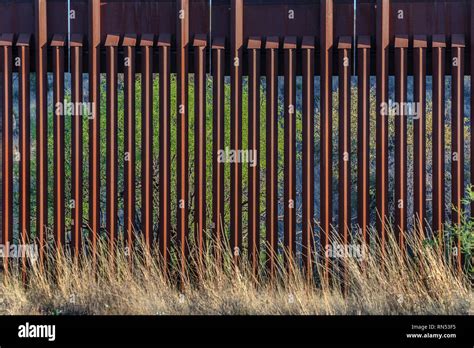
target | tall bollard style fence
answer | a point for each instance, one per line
(270, 125)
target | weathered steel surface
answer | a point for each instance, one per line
(165, 117)
(94, 122)
(200, 43)
(327, 38)
(58, 122)
(77, 161)
(182, 156)
(439, 60)
(41, 126)
(363, 135)
(218, 132)
(236, 51)
(129, 44)
(111, 168)
(381, 136)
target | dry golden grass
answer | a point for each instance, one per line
(423, 284)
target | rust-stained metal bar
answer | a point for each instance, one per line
(307, 63)
(401, 199)
(94, 124)
(254, 45)
(457, 143)
(271, 139)
(24, 212)
(363, 136)
(146, 43)
(41, 126)
(129, 44)
(182, 42)
(77, 161)
(111, 46)
(382, 38)
(164, 43)
(327, 33)
(289, 47)
(218, 71)
(236, 39)
(344, 48)
(419, 172)
(6, 43)
(58, 125)
(200, 43)
(438, 52)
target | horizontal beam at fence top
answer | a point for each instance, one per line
(122, 49)
(261, 18)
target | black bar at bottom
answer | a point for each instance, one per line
(222, 330)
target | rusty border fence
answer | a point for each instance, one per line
(236, 38)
